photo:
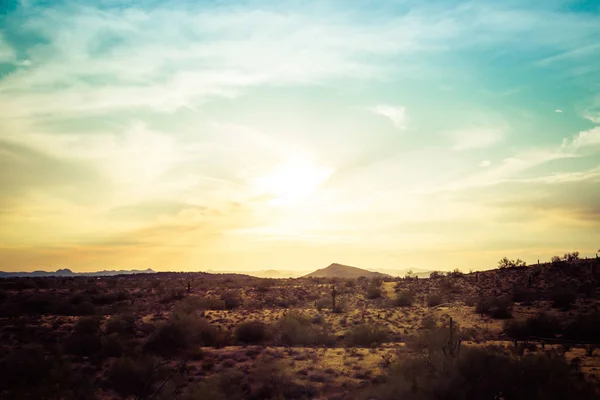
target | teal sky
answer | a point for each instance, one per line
(288, 135)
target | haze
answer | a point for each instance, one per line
(289, 135)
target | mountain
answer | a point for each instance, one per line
(68, 273)
(344, 271)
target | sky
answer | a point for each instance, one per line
(251, 135)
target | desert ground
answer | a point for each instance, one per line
(510, 333)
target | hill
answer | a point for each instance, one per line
(344, 271)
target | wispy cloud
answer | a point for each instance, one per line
(396, 114)
(470, 139)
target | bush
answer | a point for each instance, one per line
(403, 299)
(180, 333)
(251, 332)
(522, 295)
(29, 373)
(574, 256)
(482, 374)
(563, 298)
(296, 330)
(434, 299)
(122, 325)
(135, 376)
(506, 263)
(366, 335)
(540, 325)
(373, 292)
(323, 302)
(495, 307)
(585, 327)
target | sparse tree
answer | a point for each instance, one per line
(573, 256)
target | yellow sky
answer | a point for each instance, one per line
(255, 136)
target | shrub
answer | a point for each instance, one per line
(180, 333)
(507, 263)
(318, 319)
(135, 376)
(434, 299)
(251, 332)
(586, 327)
(173, 295)
(231, 300)
(573, 256)
(122, 325)
(366, 335)
(482, 374)
(297, 330)
(87, 325)
(373, 292)
(495, 307)
(563, 298)
(29, 373)
(522, 295)
(110, 298)
(323, 302)
(403, 299)
(540, 325)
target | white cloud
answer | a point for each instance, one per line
(582, 140)
(558, 111)
(396, 114)
(485, 163)
(471, 139)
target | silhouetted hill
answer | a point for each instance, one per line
(344, 271)
(67, 272)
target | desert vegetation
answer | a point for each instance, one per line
(514, 332)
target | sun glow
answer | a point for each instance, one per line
(293, 181)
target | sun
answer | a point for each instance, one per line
(293, 181)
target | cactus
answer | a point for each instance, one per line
(452, 348)
(333, 294)
(529, 281)
(189, 287)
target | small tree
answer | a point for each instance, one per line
(573, 256)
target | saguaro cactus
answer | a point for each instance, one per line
(333, 294)
(529, 281)
(189, 287)
(452, 347)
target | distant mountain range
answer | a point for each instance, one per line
(344, 271)
(268, 273)
(68, 273)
